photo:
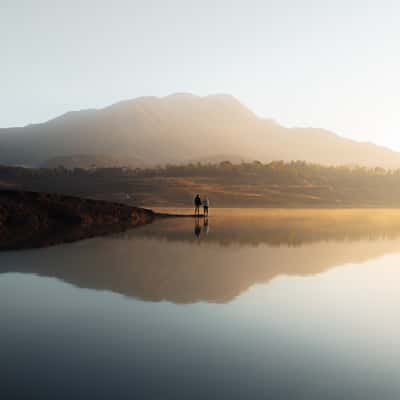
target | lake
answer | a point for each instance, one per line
(254, 304)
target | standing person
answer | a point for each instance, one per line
(206, 204)
(197, 204)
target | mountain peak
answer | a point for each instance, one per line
(181, 96)
(178, 127)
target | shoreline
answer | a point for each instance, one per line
(35, 220)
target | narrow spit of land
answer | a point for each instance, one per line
(30, 219)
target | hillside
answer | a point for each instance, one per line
(277, 184)
(176, 129)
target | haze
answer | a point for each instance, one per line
(311, 63)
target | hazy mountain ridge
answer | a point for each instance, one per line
(88, 161)
(178, 128)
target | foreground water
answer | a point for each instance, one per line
(255, 304)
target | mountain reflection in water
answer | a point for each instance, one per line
(186, 261)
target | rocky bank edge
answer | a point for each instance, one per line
(29, 219)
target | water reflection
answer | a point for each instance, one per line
(331, 336)
(206, 226)
(197, 227)
(201, 227)
(166, 261)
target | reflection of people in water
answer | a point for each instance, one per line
(206, 204)
(197, 204)
(197, 228)
(206, 226)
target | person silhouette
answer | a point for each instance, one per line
(206, 204)
(197, 204)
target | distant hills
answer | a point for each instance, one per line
(276, 184)
(176, 129)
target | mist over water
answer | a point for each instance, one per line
(293, 304)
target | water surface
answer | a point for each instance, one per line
(255, 304)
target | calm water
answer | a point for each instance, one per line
(258, 304)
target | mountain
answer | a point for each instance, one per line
(88, 161)
(175, 129)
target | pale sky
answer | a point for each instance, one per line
(333, 64)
